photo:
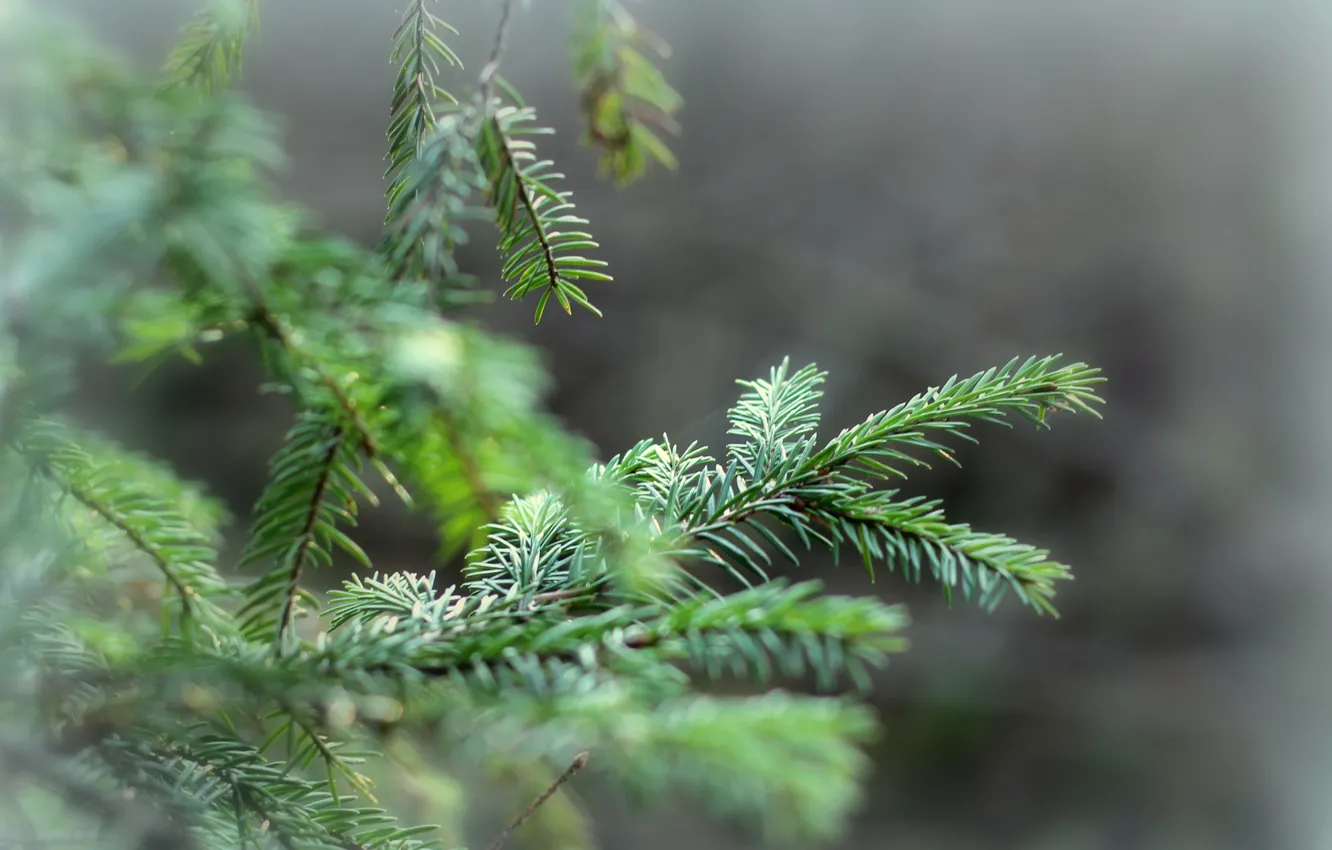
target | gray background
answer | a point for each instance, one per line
(901, 191)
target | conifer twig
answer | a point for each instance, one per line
(579, 762)
(155, 834)
(264, 319)
(485, 498)
(306, 537)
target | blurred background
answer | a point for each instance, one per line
(901, 191)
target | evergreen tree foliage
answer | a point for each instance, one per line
(157, 693)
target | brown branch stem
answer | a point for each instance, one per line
(307, 532)
(491, 69)
(187, 593)
(579, 762)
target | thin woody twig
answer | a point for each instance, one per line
(263, 318)
(487, 80)
(579, 762)
(485, 498)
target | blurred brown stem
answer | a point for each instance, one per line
(579, 762)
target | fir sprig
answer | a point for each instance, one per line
(525, 640)
(779, 476)
(1033, 389)
(538, 254)
(238, 795)
(418, 48)
(625, 100)
(534, 548)
(791, 626)
(314, 485)
(735, 754)
(321, 368)
(430, 199)
(822, 494)
(208, 54)
(169, 524)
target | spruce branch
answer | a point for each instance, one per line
(432, 165)
(446, 633)
(130, 496)
(535, 547)
(773, 415)
(447, 474)
(530, 213)
(305, 743)
(791, 625)
(777, 474)
(304, 360)
(208, 54)
(312, 490)
(739, 756)
(264, 319)
(910, 533)
(423, 225)
(1032, 389)
(781, 474)
(234, 781)
(418, 49)
(624, 99)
